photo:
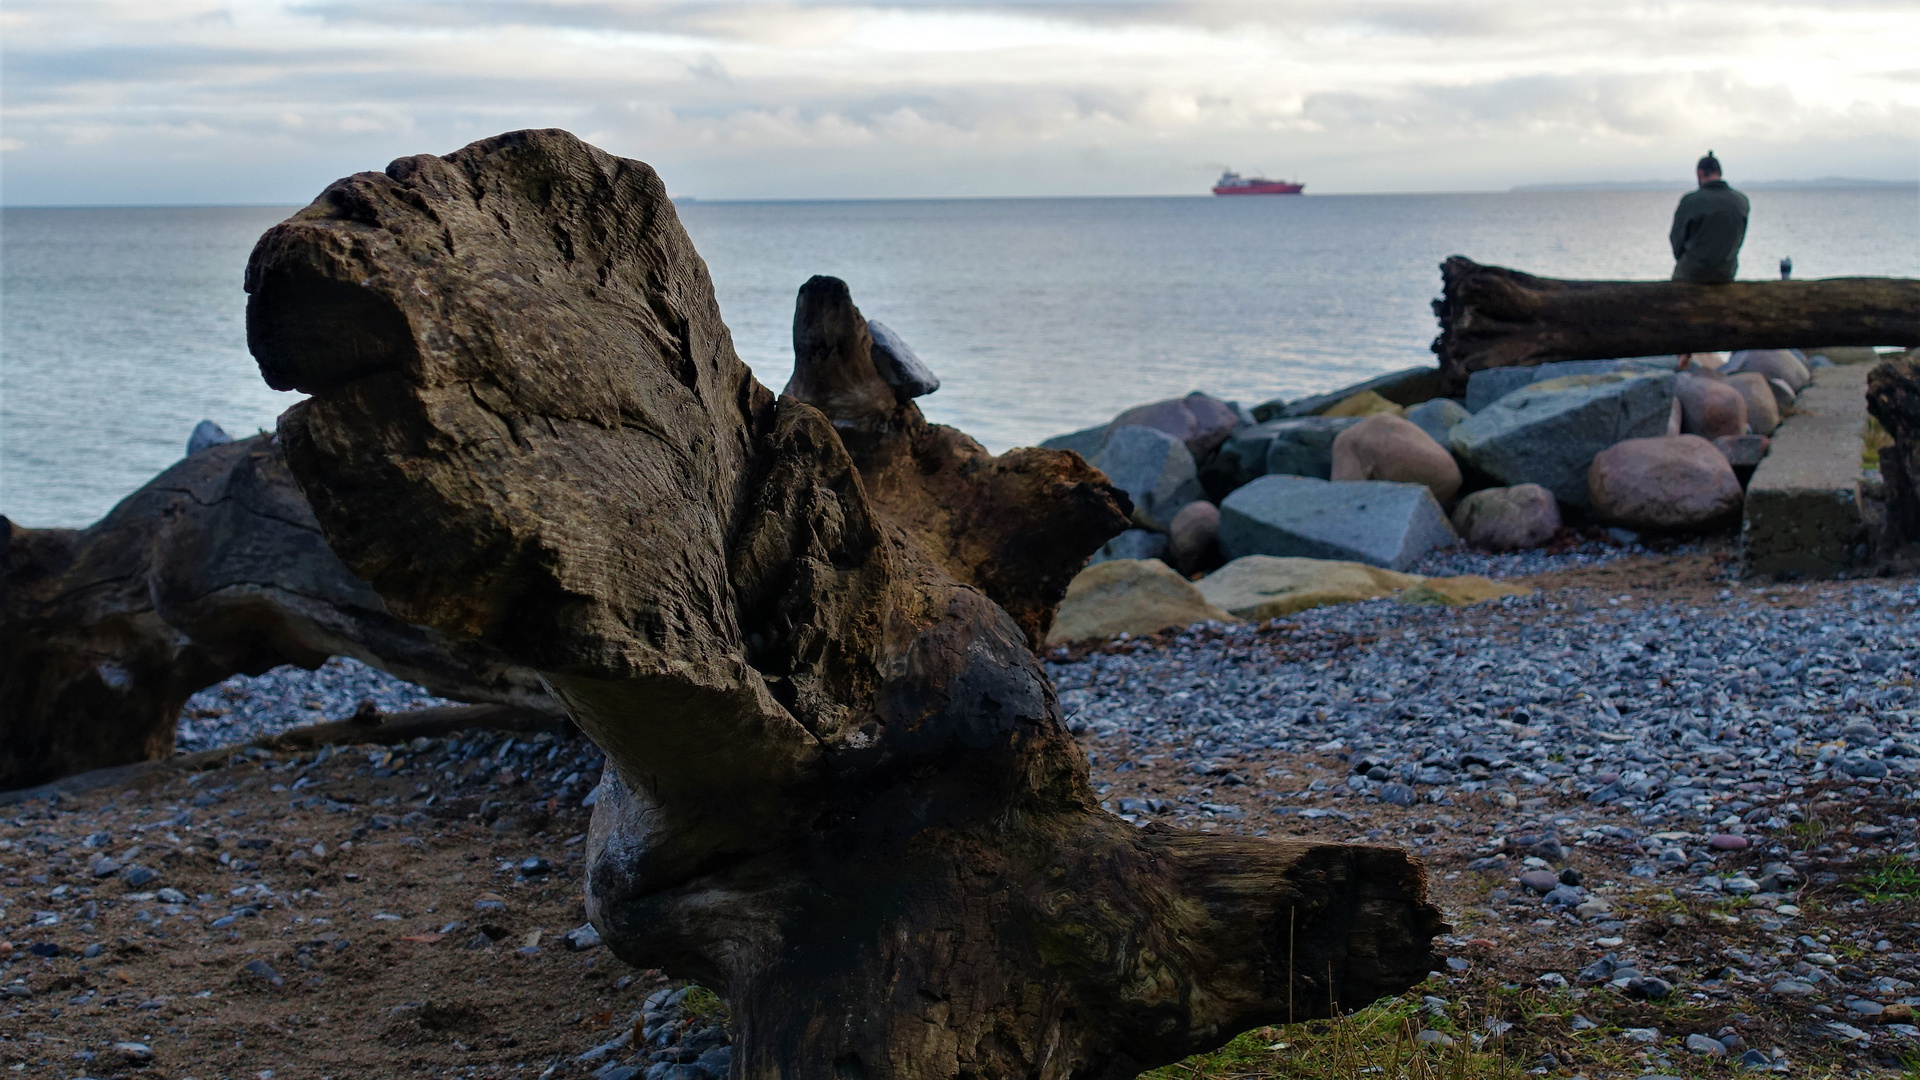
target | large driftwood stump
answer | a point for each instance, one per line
(215, 567)
(1494, 317)
(1018, 526)
(1893, 398)
(839, 790)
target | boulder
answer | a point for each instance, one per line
(1260, 587)
(1408, 386)
(898, 365)
(1437, 417)
(1460, 591)
(1670, 483)
(1086, 442)
(1192, 537)
(1508, 518)
(1547, 433)
(1388, 447)
(1490, 385)
(1130, 596)
(1763, 406)
(1364, 403)
(206, 433)
(1742, 450)
(1202, 422)
(1240, 459)
(1304, 447)
(1154, 468)
(1373, 521)
(1784, 364)
(1709, 407)
(1132, 544)
(1708, 362)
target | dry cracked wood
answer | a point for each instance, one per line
(213, 568)
(1893, 398)
(839, 790)
(1494, 317)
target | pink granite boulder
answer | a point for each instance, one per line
(1672, 483)
(1508, 518)
(1388, 447)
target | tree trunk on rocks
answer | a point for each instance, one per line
(1893, 398)
(1494, 317)
(215, 567)
(839, 790)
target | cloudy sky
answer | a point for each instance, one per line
(265, 101)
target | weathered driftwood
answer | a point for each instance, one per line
(1494, 317)
(1018, 526)
(1893, 398)
(215, 567)
(839, 790)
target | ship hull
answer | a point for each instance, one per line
(1260, 189)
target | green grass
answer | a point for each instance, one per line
(1375, 1042)
(704, 1007)
(1889, 879)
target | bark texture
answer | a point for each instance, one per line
(1893, 398)
(1018, 526)
(1494, 317)
(215, 567)
(839, 790)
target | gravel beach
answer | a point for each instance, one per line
(1669, 815)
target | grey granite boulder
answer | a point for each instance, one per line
(1086, 442)
(1304, 447)
(1132, 544)
(206, 433)
(1548, 433)
(1490, 385)
(1307, 450)
(899, 365)
(1437, 417)
(1371, 521)
(1155, 470)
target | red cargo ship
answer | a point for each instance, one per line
(1232, 183)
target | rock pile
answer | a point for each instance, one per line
(1385, 473)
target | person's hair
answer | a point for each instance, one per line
(1708, 164)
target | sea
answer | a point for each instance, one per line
(120, 328)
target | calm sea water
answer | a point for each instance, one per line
(121, 328)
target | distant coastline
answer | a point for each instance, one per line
(1828, 183)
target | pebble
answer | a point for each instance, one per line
(1540, 881)
(1703, 1044)
(248, 707)
(1727, 842)
(1646, 1035)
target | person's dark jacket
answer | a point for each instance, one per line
(1708, 228)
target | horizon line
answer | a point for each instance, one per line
(1537, 187)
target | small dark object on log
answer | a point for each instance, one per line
(1494, 317)
(1893, 398)
(839, 790)
(215, 567)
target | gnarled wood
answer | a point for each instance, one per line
(1893, 398)
(1494, 317)
(839, 790)
(1018, 526)
(215, 567)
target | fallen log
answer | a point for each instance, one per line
(215, 567)
(839, 790)
(1494, 317)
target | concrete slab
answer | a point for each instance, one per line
(1803, 512)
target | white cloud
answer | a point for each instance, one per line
(267, 100)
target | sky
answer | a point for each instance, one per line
(142, 102)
